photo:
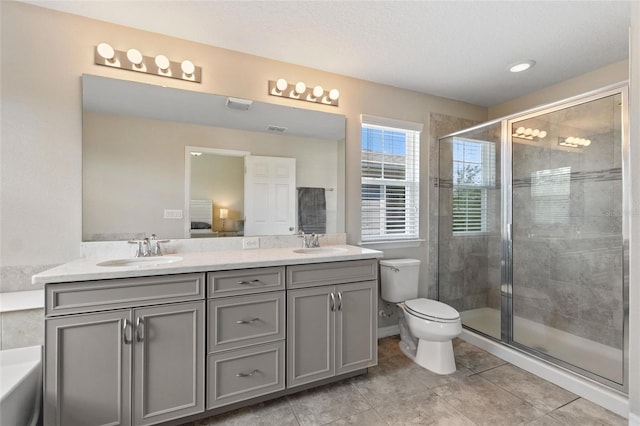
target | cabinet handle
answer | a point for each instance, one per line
(125, 326)
(251, 321)
(339, 301)
(332, 302)
(139, 330)
(249, 282)
(248, 374)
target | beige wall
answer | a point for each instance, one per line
(44, 53)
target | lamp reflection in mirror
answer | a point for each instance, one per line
(224, 213)
(303, 92)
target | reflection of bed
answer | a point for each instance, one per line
(201, 212)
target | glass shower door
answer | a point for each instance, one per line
(567, 235)
(469, 226)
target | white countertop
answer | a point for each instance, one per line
(87, 269)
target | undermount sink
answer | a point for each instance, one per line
(141, 261)
(320, 250)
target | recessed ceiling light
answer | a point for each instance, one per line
(522, 65)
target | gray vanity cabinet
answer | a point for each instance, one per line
(88, 370)
(246, 332)
(124, 366)
(331, 329)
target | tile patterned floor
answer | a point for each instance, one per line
(484, 391)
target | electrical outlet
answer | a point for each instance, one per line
(173, 214)
(251, 243)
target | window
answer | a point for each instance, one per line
(473, 176)
(390, 179)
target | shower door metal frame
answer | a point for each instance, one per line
(507, 228)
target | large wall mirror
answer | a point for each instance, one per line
(185, 164)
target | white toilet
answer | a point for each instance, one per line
(433, 323)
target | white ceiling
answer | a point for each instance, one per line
(454, 49)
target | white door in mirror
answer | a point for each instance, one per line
(269, 195)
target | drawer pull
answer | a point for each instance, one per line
(251, 321)
(248, 374)
(249, 282)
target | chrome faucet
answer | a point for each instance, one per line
(309, 241)
(148, 247)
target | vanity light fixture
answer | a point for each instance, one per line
(134, 60)
(302, 92)
(529, 133)
(522, 65)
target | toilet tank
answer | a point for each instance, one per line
(399, 279)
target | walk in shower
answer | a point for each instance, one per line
(532, 232)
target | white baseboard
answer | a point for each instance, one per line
(391, 330)
(634, 419)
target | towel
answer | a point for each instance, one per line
(312, 210)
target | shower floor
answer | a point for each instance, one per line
(599, 359)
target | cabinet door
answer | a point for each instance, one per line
(356, 326)
(169, 356)
(310, 341)
(88, 370)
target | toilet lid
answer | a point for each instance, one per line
(428, 308)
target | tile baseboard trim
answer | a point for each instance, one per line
(391, 330)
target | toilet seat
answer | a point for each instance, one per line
(432, 310)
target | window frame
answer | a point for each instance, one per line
(408, 188)
(487, 182)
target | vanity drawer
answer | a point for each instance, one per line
(244, 281)
(241, 374)
(87, 296)
(314, 274)
(246, 320)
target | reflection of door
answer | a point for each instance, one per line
(269, 195)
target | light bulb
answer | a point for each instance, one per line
(535, 132)
(282, 84)
(162, 62)
(570, 139)
(528, 131)
(187, 67)
(318, 91)
(300, 87)
(587, 142)
(106, 51)
(334, 94)
(520, 130)
(542, 134)
(134, 56)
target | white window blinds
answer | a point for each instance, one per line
(390, 170)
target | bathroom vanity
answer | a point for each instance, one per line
(164, 343)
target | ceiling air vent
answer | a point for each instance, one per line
(278, 129)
